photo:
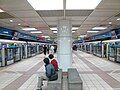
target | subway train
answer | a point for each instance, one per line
(109, 49)
(12, 51)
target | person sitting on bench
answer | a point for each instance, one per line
(50, 74)
(53, 61)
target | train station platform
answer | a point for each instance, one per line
(96, 73)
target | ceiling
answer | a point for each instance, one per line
(20, 11)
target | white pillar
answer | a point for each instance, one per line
(90, 48)
(26, 50)
(38, 49)
(64, 54)
(102, 50)
(3, 56)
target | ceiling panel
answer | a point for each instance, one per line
(58, 13)
(5, 15)
(76, 22)
(91, 22)
(14, 20)
(103, 13)
(25, 14)
(87, 25)
(78, 12)
(51, 19)
(52, 23)
(3, 24)
(14, 5)
(79, 18)
(118, 15)
(32, 19)
(109, 5)
(37, 24)
(14, 24)
(50, 13)
(96, 18)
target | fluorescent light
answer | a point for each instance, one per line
(1, 10)
(110, 22)
(118, 19)
(46, 36)
(29, 29)
(99, 28)
(92, 31)
(46, 4)
(73, 31)
(11, 20)
(19, 24)
(82, 36)
(74, 28)
(54, 31)
(36, 32)
(82, 4)
(53, 28)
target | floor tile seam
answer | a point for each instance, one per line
(87, 62)
(26, 77)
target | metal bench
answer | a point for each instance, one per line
(57, 84)
(74, 80)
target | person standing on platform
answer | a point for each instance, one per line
(45, 49)
(52, 49)
(48, 49)
(53, 61)
(55, 48)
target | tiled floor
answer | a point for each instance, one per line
(96, 73)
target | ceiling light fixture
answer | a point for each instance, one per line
(99, 28)
(92, 31)
(118, 19)
(46, 36)
(29, 29)
(82, 4)
(110, 22)
(46, 4)
(82, 36)
(36, 32)
(53, 28)
(11, 20)
(74, 28)
(1, 10)
(19, 24)
(54, 31)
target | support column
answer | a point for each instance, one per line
(64, 54)
(90, 48)
(3, 56)
(102, 50)
(38, 49)
(26, 55)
